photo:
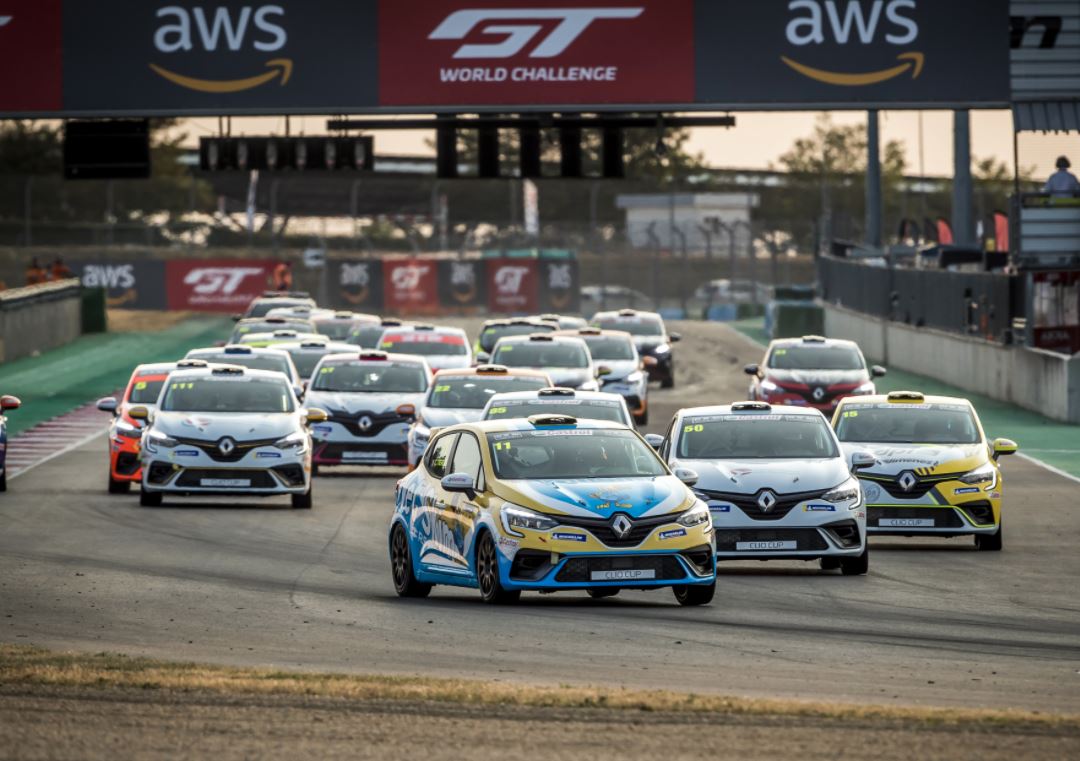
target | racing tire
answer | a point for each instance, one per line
(694, 594)
(314, 469)
(401, 568)
(642, 419)
(990, 542)
(150, 498)
(3, 481)
(487, 574)
(302, 501)
(602, 592)
(830, 564)
(668, 381)
(858, 565)
(118, 487)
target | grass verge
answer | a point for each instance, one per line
(26, 666)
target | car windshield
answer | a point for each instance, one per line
(541, 354)
(305, 360)
(425, 344)
(263, 326)
(754, 436)
(607, 347)
(491, 335)
(253, 361)
(592, 409)
(572, 453)
(367, 336)
(262, 308)
(146, 391)
(230, 393)
(819, 357)
(371, 377)
(635, 326)
(888, 423)
(473, 391)
(336, 330)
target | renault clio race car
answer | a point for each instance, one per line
(650, 336)
(584, 405)
(284, 336)
(565, 359)
(125, 433)
(620, 369)
(441, 347)
(492, 330)
(305, 355)
(338, 326)
(371, 399)
(776, 481)
(934, 473)
(460, 396)
(262, 325)
(7, 403)
(270, 300)
(367, 335)
(548, 503)
(226, 430)
(812, 372)
(251, 357)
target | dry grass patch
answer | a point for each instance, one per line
(143, 320)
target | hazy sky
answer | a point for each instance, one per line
(760, 137)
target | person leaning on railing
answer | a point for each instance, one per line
(1062, 183)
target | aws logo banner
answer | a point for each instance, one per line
(279, 54)
(857, 52)
(494, 52)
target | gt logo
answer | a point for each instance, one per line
(508, 279)
(407, 278)
(223, 280)
(572, 22)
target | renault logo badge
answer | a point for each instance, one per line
(907, 480)
(766, 501)
(226, 446)
(365, 423)
(621, 526)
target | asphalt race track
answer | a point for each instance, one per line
(258, 583)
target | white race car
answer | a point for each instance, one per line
(584, 405)
(441, 347)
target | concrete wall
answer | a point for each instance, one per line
(1037, 380)
(39, 318)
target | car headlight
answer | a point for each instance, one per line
(987, 474)
(661, 349)
(848, 491)
(864, 389)
(154, 440)
(589, 386)
(695, 516)
(421, 433)
(516, 517)
(127, 430)
(297, 441)
(635, 377)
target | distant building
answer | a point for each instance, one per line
(647, 212)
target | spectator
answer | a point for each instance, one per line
(60, 270)
(35, 273)
(283, 276)
(1062, 183)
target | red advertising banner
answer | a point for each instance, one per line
(215, 285)
(512, 285)
(31, 62)
(410, 286)
(507, 52)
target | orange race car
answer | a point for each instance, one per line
(125, 433)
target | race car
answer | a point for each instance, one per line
(307, 353)
(371, 399)
(619, 367)
(226, 430)
(776, 482)
(7, 403)
(367, 335)
(125, 433)
(812, 372)
(584, 405)
(934, 473)
(250, 356)
(549, 503)
(260, 325)
(276, 299)
(338, 326)
(563, 321)
(492, 330)
(650, 336)
(459, 396)
(565, 359)
(442, 347)
(285, 336)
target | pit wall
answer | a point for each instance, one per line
(1034, 379)
(39, 317)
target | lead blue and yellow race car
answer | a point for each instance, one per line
(549, 503)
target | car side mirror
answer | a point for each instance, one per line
(649, 362)
(459, 483)
(654, 440)
(1003, 447)
(315, 415)
(751, 369)
(862, 460)
(407, 411)
(603, 370)
(107, 404)
(686, 475)
(237, 317)
(482, 357)
(674, 337)
(877, 371)
(9, 402)
(139, 413)
(299, 390)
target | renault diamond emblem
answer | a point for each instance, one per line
(226, 446)
(621, 526)
(766, 501)
(364, 423)
(819, 394)
(907, 480)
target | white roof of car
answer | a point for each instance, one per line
(747, 408)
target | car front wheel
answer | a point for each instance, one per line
(487, 574)
(694, 594)
(150, 498)
(118, 487)
(990, 542)
(858, 565)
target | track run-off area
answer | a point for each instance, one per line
(251, 582)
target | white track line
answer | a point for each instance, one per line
(1051, 468)
(69, 448)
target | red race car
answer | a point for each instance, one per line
(125, 434)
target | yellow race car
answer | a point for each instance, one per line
(935, 474)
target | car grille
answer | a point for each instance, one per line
(351, 421)
(602, 530)
(127, 463)
(943, 517)
(748, 503)
(923, 484)
(665, 567)
(829, 394)
(334, 454)
(192, 478)
(804, 538)
(212, 448)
